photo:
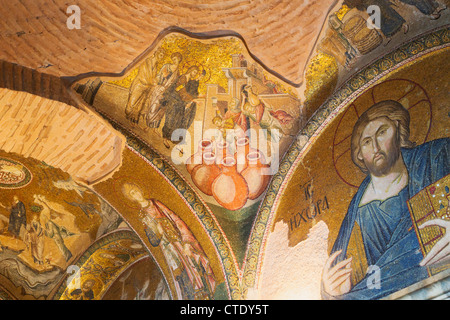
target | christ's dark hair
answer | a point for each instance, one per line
(390, 109)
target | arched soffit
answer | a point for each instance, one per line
(191, 231)
(105, 262)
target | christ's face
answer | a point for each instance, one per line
(137, 195)
(175, 60)
(379, 147)
(88, 285)
(194, 73)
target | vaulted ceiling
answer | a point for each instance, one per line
(113, 33)
(41, 118)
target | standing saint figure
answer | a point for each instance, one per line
(169, 73)
(35, 240)
(141, 86)
(17, 218)
(396, 171)
(52, 230)
(188, 263)
(180, 106)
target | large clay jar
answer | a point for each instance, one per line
(196, 159)
(222, 151)
(204, 175)
(242, 150)
(257, 175)
(230, 189)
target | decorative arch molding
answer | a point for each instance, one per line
(5, 295)
(124, 242)
(197, 206)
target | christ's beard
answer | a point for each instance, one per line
(383, 165)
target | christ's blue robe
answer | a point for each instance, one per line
(390, 241)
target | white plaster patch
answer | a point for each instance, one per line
(291, 273)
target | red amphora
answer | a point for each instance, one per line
(204, 175)
(222, 151)
(242, 150)
(230, 189)
(196, 159)
(256, 174)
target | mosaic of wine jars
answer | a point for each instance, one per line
(231, 174)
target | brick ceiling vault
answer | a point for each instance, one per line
(34, 33)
